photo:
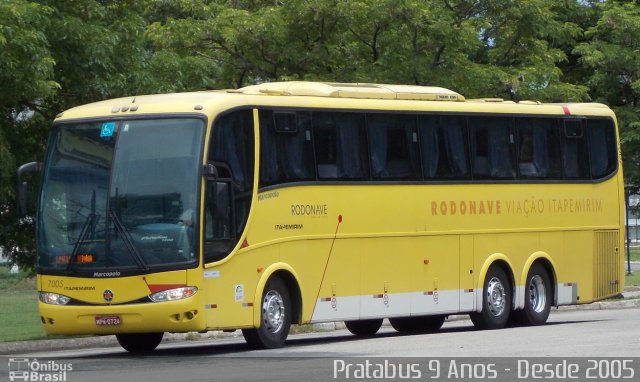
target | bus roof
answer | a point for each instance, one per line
(353, 90)
(295, 94)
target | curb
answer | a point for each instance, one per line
(629, 301)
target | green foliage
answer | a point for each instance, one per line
(57, 54)
(612, 55)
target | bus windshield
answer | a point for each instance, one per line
(119, 197)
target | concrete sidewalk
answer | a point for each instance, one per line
(629, 299)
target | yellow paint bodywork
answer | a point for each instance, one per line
(361, 241)
(136, 317)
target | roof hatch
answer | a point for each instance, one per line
(352, 90)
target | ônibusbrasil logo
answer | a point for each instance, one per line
(24, 369)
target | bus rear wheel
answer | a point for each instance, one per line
(496, 301)
(275, 317)
(364, 327)
(538, 292)
(419, 324)
(139, 342)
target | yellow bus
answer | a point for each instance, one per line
(300, 202)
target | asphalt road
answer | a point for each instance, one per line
(315, 356)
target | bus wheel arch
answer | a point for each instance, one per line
(294, 292)
(545, 261)
(277, 305)
(274, 317)
(496, 295)
(495, 260)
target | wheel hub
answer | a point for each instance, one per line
(537, 294)
(273, 311)
(496, 297)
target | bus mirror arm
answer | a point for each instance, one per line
(21, 195)
(210, 171)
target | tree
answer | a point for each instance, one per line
(26, 72)
(611, 55)
(56, 55)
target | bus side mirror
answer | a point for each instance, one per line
(210, 171)
(21, 195)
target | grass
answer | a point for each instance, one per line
(19, 318)
(635, 254)
(633, 279)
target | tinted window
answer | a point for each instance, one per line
(393, 144)
(539, 148)
(286, 152)
(603, 149)
(492, 148)
(574, 151)
(232, 147)
(340, 145)
(443, 145)
(227, 203)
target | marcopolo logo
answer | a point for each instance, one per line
(24, 369)
(107, 295)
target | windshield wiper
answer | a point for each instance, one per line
(127, 240)
(88, 226)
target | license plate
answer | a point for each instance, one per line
(108, 320)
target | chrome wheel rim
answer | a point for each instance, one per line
(496, 297)
(273, 311)
(537, 294)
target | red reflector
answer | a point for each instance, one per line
(566, 110)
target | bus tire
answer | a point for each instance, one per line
(364, 327)
(417, 324)
(275, 317)
(139, 342)
(538, 294)
(496, 301)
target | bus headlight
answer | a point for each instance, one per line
(173, 294)
(53, 298)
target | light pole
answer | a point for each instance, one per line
(627, 193)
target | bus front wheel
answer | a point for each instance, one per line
(275, 317)
(364, 327)
(496, 301)
(139, 342)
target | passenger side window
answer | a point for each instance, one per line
(228, 201)
(340, 146)
(575, 154)
(603, 147)
(492, 148)
(539, 148)
(286, 153)
(443, 145)
(393, 143)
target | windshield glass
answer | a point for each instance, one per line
(120, 196)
